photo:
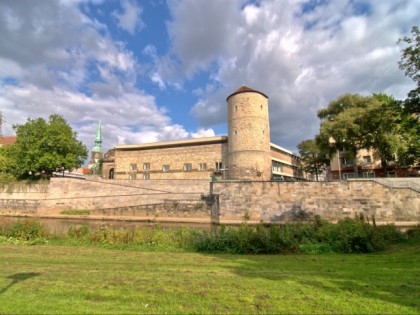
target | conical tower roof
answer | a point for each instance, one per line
(245, 89)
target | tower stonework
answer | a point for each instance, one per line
(249, 156)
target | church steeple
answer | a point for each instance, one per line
(98, 140)
(96, 151)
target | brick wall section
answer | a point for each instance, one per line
(282, 201)
(107, 197)
(189, 200)
(175, 157)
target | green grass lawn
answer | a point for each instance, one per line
(45, 279)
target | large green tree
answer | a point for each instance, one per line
(410, 64)
(341, 125)
(387, 132)
(43, 147)
(313, 159)
(353, 122)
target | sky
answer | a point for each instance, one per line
(156, 70)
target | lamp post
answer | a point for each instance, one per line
(339, 164)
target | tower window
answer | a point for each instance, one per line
(236, 108)
(261, 107)
(236, 132)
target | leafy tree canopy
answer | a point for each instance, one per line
(353, 122)
(312, 158)
(342, 125)
(45, 146)
(410, 64)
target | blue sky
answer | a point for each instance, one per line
(160, 70)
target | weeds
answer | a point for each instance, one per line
(320, 236)
(75, 212)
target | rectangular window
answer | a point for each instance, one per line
(203, 166)
(133, 167)
(367, 159)
(132, 176)
(347, 162)
(368, 174)
(349, 175)
(146, 166)
(392, 174)
(165, 168)
(146, 176)
(219, 166)
(277, 167)
(187, 167)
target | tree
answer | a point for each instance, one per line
(44, 147)
(312, 158)
(385, 131)
(378, 122)
(410, 64)
(341, 127)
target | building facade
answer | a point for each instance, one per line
(368, 166)
(246, 154)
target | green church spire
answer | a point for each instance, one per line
(98, 140)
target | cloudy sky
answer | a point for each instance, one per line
(154, 70)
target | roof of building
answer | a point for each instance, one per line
(7, 140)
(176, 143)
(245, 89)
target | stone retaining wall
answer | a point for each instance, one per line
(226, 202)
(283, 201)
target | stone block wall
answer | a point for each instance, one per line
(109, 197)
(175, 157)
(283, 201)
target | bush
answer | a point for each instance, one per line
(25, 230)
(248, 239)
(413, 234)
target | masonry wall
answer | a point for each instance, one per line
(283, 201)
(249, 137)
(121, 198)
(191, 201)
(175, 158)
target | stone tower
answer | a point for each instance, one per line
(249, 135)
(96, 150)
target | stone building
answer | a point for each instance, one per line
(246, 154)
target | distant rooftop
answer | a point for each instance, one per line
(153, 145)
(245, 89)
(7, 140)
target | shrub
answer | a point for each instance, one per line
(247, 239)
(26, 230)
(413, 234)
(75, 212)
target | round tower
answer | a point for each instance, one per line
(249, 155)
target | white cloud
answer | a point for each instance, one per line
(300, 59)
(129, 20)
(84, 76)
(202, 132)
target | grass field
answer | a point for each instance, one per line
(44, 279)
